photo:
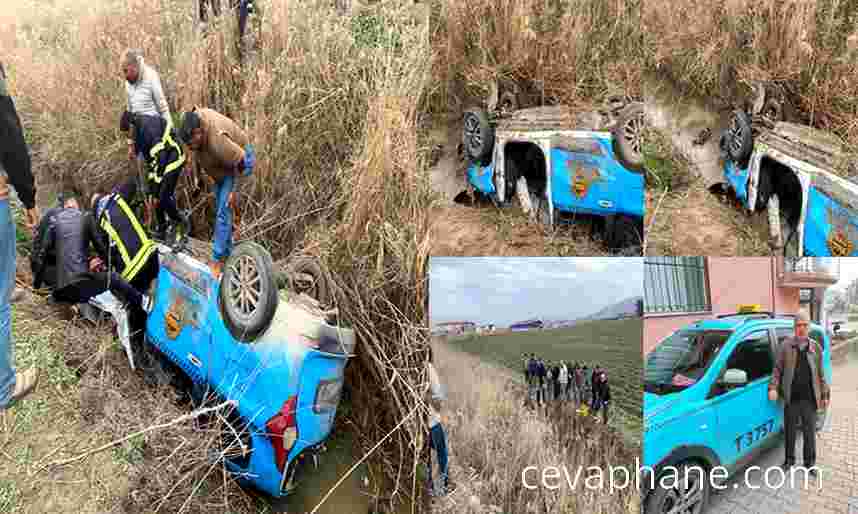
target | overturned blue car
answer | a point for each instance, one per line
(561, 166)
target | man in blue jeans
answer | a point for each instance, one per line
(14, 169)
(221, 148)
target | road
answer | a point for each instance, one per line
(837, 457)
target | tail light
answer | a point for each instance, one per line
(283, 431)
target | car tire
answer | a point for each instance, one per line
(303, 274)
(478, 136)
(628, 136)
(248, 271)
(739, 140)
(662, 501)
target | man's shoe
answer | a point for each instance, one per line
(25, 383)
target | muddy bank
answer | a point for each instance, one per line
(683, 119)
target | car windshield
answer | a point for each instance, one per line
(680, 360)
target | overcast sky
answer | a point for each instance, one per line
(503, 290)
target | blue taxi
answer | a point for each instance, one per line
(706, 403)
(561, 166)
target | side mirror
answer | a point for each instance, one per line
(735, 378)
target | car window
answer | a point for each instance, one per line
(682, 359)
(753, 356)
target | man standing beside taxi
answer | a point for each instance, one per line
(799, 380)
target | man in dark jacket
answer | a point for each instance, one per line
(595, 384)
(604, 396)
(164, 160)
(15, 170)
(68, 236)
(541, 374)
(798, 379)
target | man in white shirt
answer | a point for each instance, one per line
(437, 437)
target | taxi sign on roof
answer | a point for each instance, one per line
(748, 308)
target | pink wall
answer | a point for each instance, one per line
(732, 281)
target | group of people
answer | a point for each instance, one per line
(561, 381)
(93, 242)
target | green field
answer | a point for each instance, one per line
(614, 344)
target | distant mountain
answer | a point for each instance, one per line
(624, 308)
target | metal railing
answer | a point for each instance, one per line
(818, 265)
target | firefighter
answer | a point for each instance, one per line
(120, 240)
(164, 158)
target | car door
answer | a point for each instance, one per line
(746, 417)
(584, 177)
(830, 227)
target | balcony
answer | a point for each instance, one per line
(808, 271)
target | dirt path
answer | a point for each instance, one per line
(689, 220)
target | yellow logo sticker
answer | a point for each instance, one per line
(841, 239)
(583, 179)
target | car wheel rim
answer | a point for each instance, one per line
(632, 132)
(735, 136)
(690, 497)
(472, 133)
(245, 286)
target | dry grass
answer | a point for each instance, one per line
(716, 48)
(492, 439)
(557, 51)
(330, 104)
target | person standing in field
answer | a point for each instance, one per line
(604, 396)
(145, 97)
(437, 438)
(15, 169)
(564, 381)
(555, 380)
(595, 384)
(541, 373)
(533, 380)
(223, 150)
(587, 385)
(798, 380)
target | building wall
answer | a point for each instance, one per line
(732, 282)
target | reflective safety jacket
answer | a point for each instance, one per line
(129, 242)
(156, 139)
